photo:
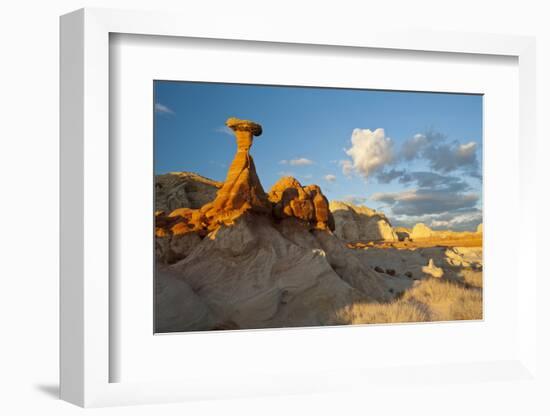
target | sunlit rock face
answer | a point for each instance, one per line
(291, 199)
(251, 275)
(200, 213)
(247, 259)
(182, 211)
(230, 256)
(359, 223)
(421, 231)
(242, 190)
(183, 190)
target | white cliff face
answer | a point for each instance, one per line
(183, 190)
(359, 223)
(255, 274)
(421, 231)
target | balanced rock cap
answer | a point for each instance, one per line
(236, 124)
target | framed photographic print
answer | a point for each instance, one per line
(247, 214)
(342, 233)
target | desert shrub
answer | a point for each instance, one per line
(379, 313)
(429, 300)
(467, 307)
(472, 278)
(447, 301)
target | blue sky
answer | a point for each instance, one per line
(414, 156)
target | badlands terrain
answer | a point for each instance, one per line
(230, 255)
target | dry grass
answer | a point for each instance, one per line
(430, 300)
(447, 301)
(383, 313)
(473, 278)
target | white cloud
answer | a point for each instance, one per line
(162, 109)
(466, 150)
(302, 161)
(465, 221)
(370, 151)
(347, 167)
(426, 201)
(224, 130)
(355, 200)
(330, 178)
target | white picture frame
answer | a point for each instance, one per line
(85, 217)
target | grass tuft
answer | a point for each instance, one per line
(430, 300)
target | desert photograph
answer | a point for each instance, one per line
(283, 206)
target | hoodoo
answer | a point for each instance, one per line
(242, 190)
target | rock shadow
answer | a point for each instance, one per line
(402, 267)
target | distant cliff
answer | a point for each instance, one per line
(359, 223)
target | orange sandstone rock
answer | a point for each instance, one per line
(291, 199)
(242, 190)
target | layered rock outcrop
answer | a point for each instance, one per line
(403, 233)
(253, 274)
(247, 259)
(183, 190)
(291, 199)
(199, 213)
(230, 256)
(359, 223)
(241, 192)
(421, 231)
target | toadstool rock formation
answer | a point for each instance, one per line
(242, 190)
(190, 206)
